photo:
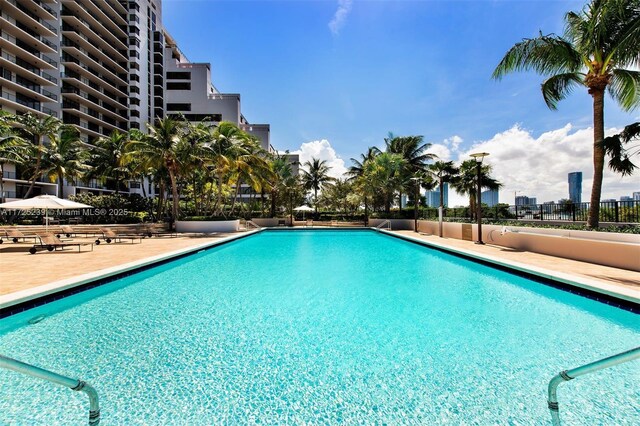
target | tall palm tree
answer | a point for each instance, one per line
(414, 151)
(442, 171)
(315, 176)
(614, 146)
(282, 172)
(598, 47)
(65, 156)
(383, 175)
(37, 129)
(161, 149)
(465, 182)
(13, 148)
(225, 146)
(108, 158)
(356, 173)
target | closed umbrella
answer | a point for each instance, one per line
(46, 202)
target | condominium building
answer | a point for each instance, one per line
(523, 200)
(29, 72)
(101, 66)
(636, 196)
(575, 187)
(490, 197)
(433, 197)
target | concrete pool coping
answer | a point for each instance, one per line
(591, 285)
(24, 297)
(7, 301)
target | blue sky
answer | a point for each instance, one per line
(334, 77)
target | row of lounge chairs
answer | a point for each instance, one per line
(52, 241)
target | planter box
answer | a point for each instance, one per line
(604, 248)
(396, 224)
(272, 222)
(208, 226)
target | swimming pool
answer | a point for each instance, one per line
(321, 327)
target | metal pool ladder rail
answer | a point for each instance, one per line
(566, 375)
(251, 223)
(386, 223)
(73, 384)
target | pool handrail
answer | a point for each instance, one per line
(386, 222)
(566, 375)
(252, 223)
(73, 384)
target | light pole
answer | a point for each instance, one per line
(416, 202)
(479, 157)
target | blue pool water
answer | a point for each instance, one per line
(321, 327)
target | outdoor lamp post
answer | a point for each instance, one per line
(479, 156)
(416, 203)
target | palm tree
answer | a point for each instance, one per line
(225, 146)
(108, 159)
(383, 175)
(599, 44)
(356, 174)
(620, 161)
(465, 182)
(13, 148)
(315, 176)
(282, 172)
(442, 171)
(37, 129)
(161, 149)
(64, 157)
(414, 151)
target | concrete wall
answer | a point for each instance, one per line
(396, 224)
(207, 227)
(604, 248)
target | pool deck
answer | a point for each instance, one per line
(24, 277)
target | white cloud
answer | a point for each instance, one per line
(441, 150)
(322, 150)
(340, 17)
(453, 142)
(538, 167)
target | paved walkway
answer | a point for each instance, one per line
(626, 281)
(20, 270)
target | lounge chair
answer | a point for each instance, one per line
(70, 232)
(51, 243)
(110, 235)
(147, 231)
(16, 235)
(309, 223)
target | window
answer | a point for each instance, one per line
(179, 107)
(199, 117)
(134, 89)
(179, 75)
(179, 86)
(134, 184)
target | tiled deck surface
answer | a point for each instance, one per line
(21, 271)
(628, 281)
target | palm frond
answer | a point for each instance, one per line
(545, 54)
(557, 87)
(625, 88)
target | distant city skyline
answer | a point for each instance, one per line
(490, 197)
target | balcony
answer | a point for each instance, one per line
(22, 85)
(72, 64)
(22, 32)
(82, 14)
(20, 67)
(82, 56)
(73, 28)
(27, 17)
(27, 106)
(74, 94)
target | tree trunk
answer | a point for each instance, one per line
(598, 157)
(441, 209)
(366, 211)
(161, 199)
(1, 184)
(37, 169)
(60, 185)
(273, 203)
(235, 197)
(174, 194)
(219, 197)
(315, 194)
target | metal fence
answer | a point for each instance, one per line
(610, 211)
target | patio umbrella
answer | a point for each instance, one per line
(46, 202)
(303, 209)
